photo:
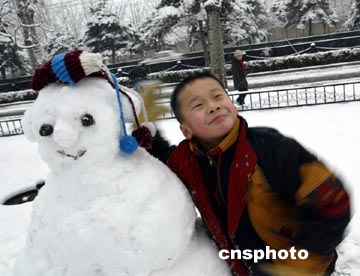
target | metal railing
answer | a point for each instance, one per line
(301, 96)
(255, 100)
(11, 127)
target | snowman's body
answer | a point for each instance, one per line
(102, 212)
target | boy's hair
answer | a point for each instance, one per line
(180, 87)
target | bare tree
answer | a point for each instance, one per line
(25, 13)
(12, 60)
(213, 10)
(353, 19)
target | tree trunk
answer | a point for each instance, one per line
(204, 44)
(3, 73)
(26, 17)
(113, 56)
(216, 43)
(310, 27)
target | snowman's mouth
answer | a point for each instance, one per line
(75, 157)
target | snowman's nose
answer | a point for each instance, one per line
(65, 135)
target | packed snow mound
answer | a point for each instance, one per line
(103, 212)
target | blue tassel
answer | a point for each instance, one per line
(128, 144)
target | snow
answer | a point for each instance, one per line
(330, 131)
(213, 3)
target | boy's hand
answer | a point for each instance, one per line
(151, 94)
(286, 270)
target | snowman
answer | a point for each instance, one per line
(108, 207)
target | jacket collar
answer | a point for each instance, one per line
(226, 143)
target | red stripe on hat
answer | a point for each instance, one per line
(42, 77)
(74, 66)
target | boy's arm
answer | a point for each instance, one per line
(322, 199)
(160, 148)
(300, 178)
(325, 206)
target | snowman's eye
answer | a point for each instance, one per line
(87, 120)
(46, 130)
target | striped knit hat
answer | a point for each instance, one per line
(70, 68)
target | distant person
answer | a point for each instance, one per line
(137, 75)
(239, 73)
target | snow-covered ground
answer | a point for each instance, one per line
(330, 131)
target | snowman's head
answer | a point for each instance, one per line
(79, 122)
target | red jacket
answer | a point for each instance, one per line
(190, 173)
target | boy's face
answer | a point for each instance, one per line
(207, 111)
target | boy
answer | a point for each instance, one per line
(254, 187)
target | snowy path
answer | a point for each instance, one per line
(308, 75)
